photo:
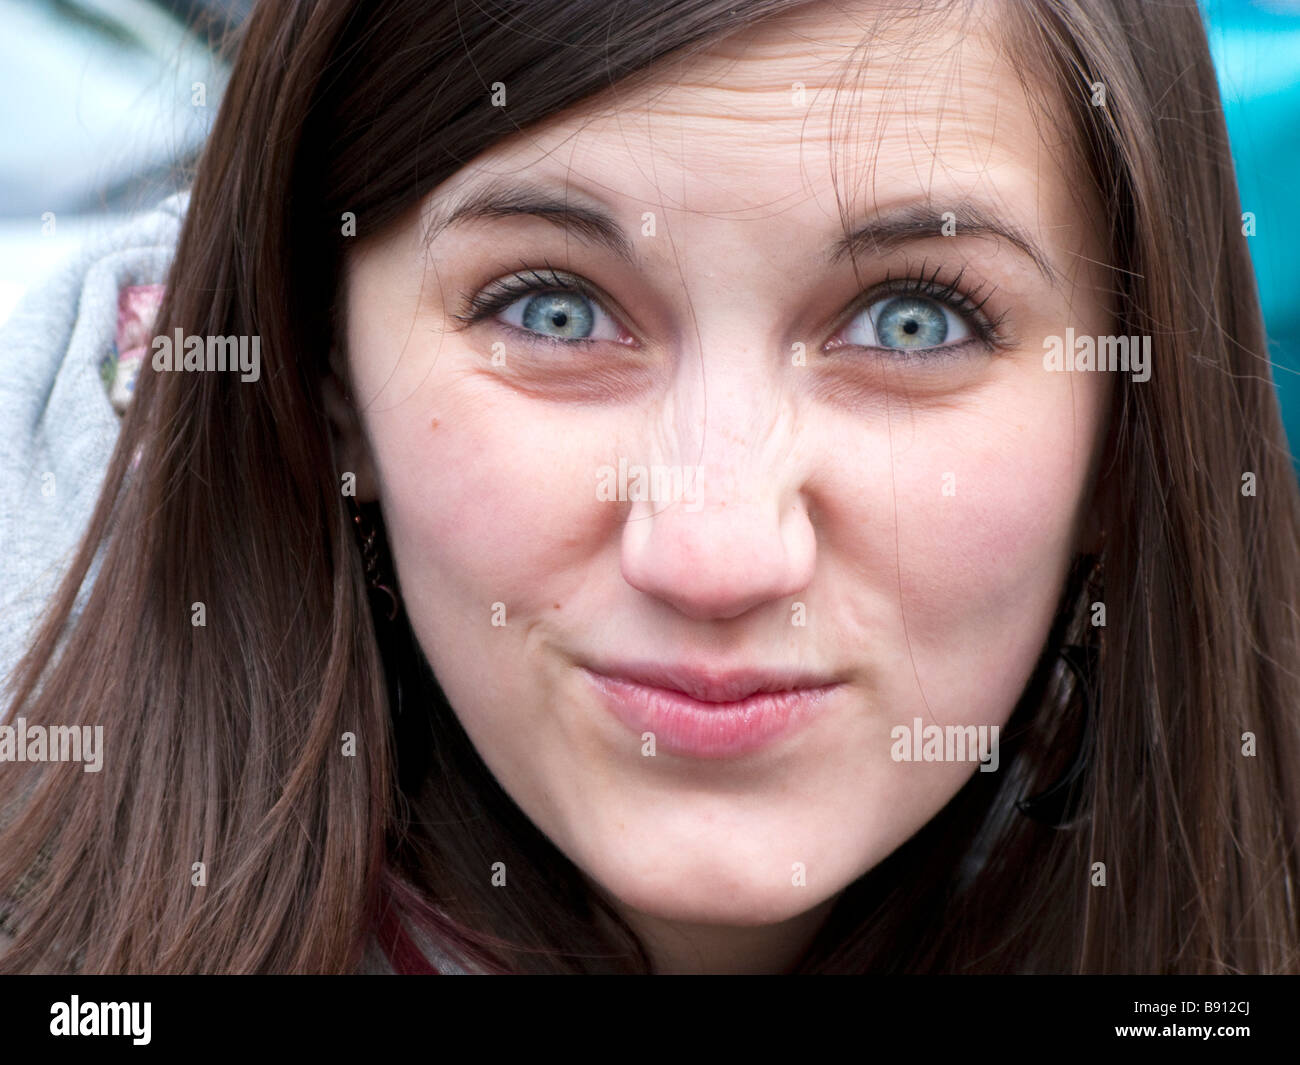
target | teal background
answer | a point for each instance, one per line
(1256, 48)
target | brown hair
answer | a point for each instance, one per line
(226, 743)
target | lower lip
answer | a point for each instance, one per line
(687, 726)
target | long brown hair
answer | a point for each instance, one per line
(224, 743)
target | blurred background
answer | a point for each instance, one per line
(107, 103)
(1256, 48)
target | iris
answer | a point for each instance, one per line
(908, 322)
(559, 314)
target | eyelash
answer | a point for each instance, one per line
(505, 291)
(970, 305)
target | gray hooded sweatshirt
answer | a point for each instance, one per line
(57, 423)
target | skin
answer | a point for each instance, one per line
(824, 482)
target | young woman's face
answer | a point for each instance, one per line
(688, 530)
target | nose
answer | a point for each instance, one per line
(732, 549)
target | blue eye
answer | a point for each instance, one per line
(555, 308)
(563, 315)
(907, 323)
(548, 307)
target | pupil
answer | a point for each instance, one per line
(910, 326)
(559, 318)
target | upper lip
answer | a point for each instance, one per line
(713, 685)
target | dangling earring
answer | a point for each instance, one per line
(376, 579)
(410, 685)
(1057, 805)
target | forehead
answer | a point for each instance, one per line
(827, 102)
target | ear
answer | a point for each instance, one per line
(350, 444)
(1100, 510)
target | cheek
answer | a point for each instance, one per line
(973, 514)
(489, 501)
(983, 525)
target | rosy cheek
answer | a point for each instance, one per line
(985, 539)
(496, 500)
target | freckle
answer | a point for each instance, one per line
(434, 424)
(557, 606)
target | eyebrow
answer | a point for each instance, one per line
(495, 200)
(915, 221)
(923, 220)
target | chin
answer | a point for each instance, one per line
(711, 886)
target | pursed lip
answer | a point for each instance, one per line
(709, 713)
(713, 685)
